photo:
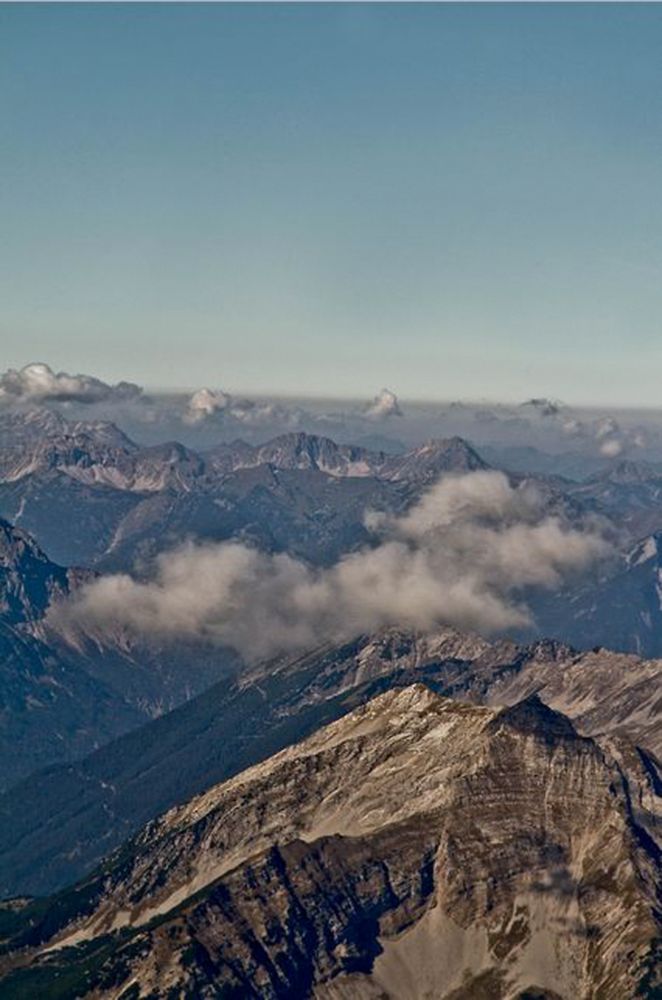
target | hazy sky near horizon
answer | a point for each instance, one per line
(453, 201)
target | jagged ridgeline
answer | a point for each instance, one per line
(91, 496)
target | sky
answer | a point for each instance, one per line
(455, 201)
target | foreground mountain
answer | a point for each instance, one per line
(437, 867)
(55, 826)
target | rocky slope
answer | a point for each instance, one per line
(55, 826)
(51, 708)
(59, 702)
(622, 611)
(628, 491)
(29, 581)
(95, 453)
(417, 847)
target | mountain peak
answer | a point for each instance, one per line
(644, 551)
(626, 472)
(532, 717)
(435, 457)
(29, 581)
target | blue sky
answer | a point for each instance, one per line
(454, 201)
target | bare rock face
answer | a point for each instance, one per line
(418, 847)
(29, 581)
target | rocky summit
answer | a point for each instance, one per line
(416, 848)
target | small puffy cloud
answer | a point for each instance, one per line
(614, 440)
(464, 555)
(205, 403)
(385, 404)
(208, 403)
(606, 433)
(40, 384)
(256, 414)
(612, 447)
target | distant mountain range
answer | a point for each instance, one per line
(92, 497)
(35, 442)
(417, 846)
(308, 451)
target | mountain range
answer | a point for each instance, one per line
(92, 497)
(85, 489)
(407, 814)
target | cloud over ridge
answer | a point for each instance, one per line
(37, 382)
(464, 555)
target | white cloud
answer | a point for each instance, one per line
(385, 404)
(39, 383)
(464, 555)
(612, 447)
(207, 403)
(247, 411)
(611, 439)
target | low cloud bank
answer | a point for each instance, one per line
(464, 555)
(39, 383)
